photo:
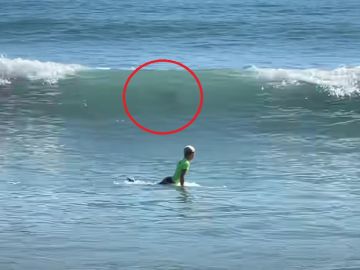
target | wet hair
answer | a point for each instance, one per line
(188, 151)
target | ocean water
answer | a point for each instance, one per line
(275, 179)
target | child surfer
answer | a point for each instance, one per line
(181, 169)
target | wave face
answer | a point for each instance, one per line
(78, 91)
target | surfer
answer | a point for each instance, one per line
(181, 169)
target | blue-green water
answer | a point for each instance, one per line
(275, 180)
(200, 33)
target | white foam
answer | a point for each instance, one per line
(103, 68)
(189, 184)
(4, 82)
(141, 182)
(342, 81)
(49, 72)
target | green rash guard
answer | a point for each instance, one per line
(182, 165)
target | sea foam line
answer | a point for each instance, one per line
(49, 72)
(342, 81)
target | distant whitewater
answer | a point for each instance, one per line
(34, 70)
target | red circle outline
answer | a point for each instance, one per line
(192, 73)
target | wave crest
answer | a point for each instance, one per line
(49, 72)
(340, 82)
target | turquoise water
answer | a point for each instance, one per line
(274, 183)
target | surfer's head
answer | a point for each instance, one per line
(189, 152)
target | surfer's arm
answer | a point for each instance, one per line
(182, 177)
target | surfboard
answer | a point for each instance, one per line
(130, 179)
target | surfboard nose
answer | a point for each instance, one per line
(130, 179)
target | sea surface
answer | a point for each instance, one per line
(275, 183)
